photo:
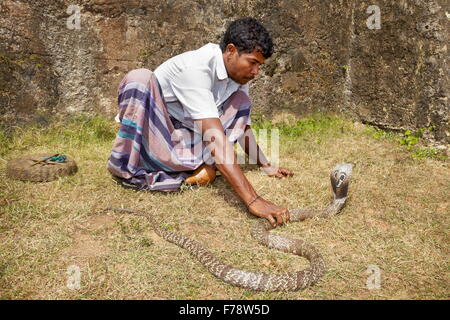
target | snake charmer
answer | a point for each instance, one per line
(179, 122)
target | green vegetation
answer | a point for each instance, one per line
(412, 141)
(76, 131)
(5, 143)
(317, 125)
(21, 60)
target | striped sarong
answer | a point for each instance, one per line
(154, 151)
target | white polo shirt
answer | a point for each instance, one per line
(195, 84)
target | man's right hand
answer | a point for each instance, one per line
(225, 160)
(265, 209)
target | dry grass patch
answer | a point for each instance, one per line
(396, 218)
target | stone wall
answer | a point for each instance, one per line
(327, 58)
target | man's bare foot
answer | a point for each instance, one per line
(204, 175)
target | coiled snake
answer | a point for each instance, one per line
(340, 179)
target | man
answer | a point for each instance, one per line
(178, 123)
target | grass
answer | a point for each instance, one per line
(396, 218)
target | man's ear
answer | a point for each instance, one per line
(231, 48)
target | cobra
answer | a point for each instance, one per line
(291, 281)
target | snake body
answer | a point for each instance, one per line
(298, 280)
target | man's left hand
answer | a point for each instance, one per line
(277, 172)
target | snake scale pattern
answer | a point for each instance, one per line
(298, 280)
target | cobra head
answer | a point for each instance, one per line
(340, 179)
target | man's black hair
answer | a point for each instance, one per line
(247, 34)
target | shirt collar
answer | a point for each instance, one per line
(221, 71)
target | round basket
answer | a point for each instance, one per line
(34, 168)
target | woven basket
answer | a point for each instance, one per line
(27, 168)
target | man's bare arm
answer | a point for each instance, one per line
(225, 158)
(251, 147)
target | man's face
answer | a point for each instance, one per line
(244, 67)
